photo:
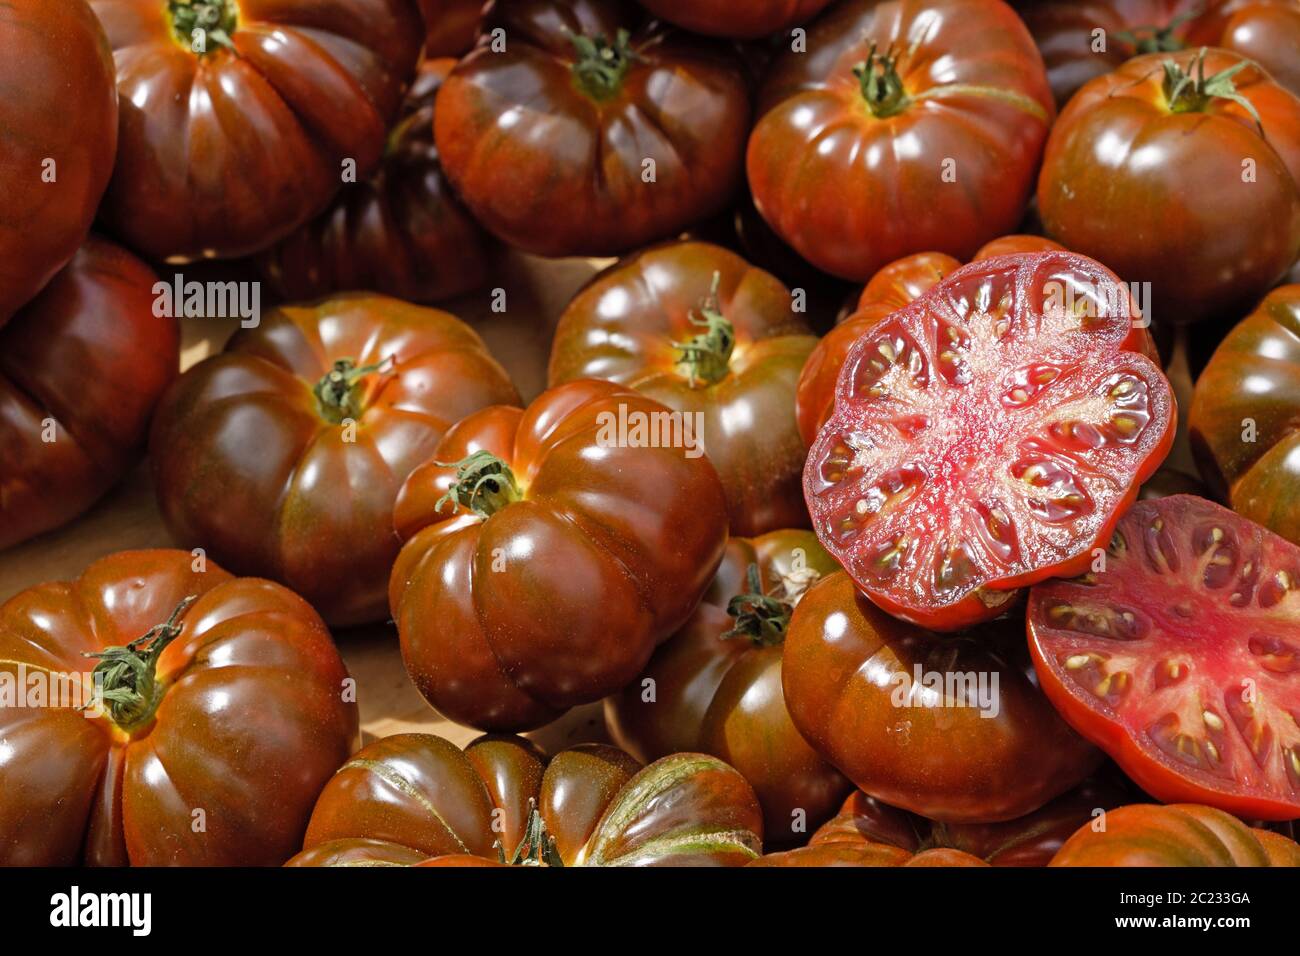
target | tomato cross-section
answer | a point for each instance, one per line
(1181, 658)
(988, 436)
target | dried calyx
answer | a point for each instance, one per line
(484, 484)
(211, 21)
(881, 85)
(537, 848)
(339, 392)
(762, 618)
(126, 677)
(706, 357)
(601, 65)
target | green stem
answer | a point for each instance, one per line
(881, 85)
(217, 18)
(484, 484)
(536, 848)
(126, 677)
(762, 618)
(1191, 91)
(1154, 39)
(706, 357)
(601, 65)
(338, 393)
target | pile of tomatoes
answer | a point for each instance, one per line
(849, 493)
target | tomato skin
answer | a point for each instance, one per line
(1182, 574)
(223, 153)
(873, 191)
(743, 20)
(632, 536)
(251, 724)
(867, 832)
(952, 764)
(451, 26)
(60, 105)
(1064, 31)
(556, 171)
(1177, 212)
(1259, 477)
(1177, 835)
(249, 466)
(600, 806)
(626, 326)
(723, 696)
(402, 232)
(896, 285)
(89, 352)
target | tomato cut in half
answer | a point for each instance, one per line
(988, 436)
(1181, 659)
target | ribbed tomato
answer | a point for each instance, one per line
(715, 685)
(548, 552)
(741, 19)
(699, 329)
(282, 456)
(401, 232)
(1178, 656)
(950, 727)
(1178, 835)
(81, 369)
(225, 708)
(418, 799)
(238, 116)
(1245, 418)
(904, 127)
(988, 436)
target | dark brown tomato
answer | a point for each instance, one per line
(1178, 835)
(450, 26)
(741, 19)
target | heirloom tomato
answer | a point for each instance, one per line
(951, 727)
(1182, 170)
(1267, 31)
(416, 797)
(58, 137)
(905, 127)
(1245, 418)
(401, 232)
(282, 456)
(222, 700)
(586, 129)
(715, 685)
(867, 832)
(1179, 835)
(81, 368)
(450, 26)
(241, 118)
(697, 328)
(1178, 656)
(548, 551)
(742, 19)
(987, 436)
(896, 285)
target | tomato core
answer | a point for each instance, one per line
(210, 23)
(601, 65)
(126, 677)
(706, 357)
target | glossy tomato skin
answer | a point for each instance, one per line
(1179, 212)
(898, 284)
(867, 832)
(628, 326)
(401, 232)
(1264, 30)
(1244, 414)
(739, 19)
(450, 26)
(557, 167)
(252, 721)
(251, 466)
(947, 762)
(988, 436)
(89, 354)
(558, 594)
(1175, 656)
(416, 797)
(223, 152)
(1177, 835)
(852, 190)
(60, 108)
(722, 695)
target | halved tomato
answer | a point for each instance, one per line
(1181, 658)
(988, 436)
